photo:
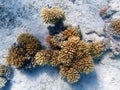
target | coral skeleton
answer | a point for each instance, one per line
(5, 71)
(3, 82)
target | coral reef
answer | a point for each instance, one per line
(67, 51)
(116, 26)
(52, 15)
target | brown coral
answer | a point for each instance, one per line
(43, 57)
(16, 56)
(69, 32)
(96, 49)
(116, 26)
(1, 70)
(30, 42)
(54, 59)
(70, 74)
(52, 15)
(83, 65)
(82, 49)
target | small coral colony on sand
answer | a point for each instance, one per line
(66, 49)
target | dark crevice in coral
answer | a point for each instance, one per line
(57, 28)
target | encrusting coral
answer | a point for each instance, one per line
(52, 15)
(116, 26)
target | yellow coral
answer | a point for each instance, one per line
(16, 56)
(30, 42)
(52, 15)
(43, 57)
(84, 65)
(96, 49)
(116, 26)
(69, 32)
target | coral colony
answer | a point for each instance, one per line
(67, 50)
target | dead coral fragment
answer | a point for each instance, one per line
(52, 15)
(43, 57)
(69, 32)
(5, 71)
(16, 56)
(83, 65)
(30, 42)
(3, 82)
(116, 26)
(96, 49)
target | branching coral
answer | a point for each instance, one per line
(116, 26)
(69, 32)
(52, 15)
(54, 59)
(83, 65)
(16, 56)
(29, 42)
(43, 57)
(96, 49)
(1, 70)
(70, 74)
(56, 41)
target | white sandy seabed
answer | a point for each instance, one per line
(18, 16)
